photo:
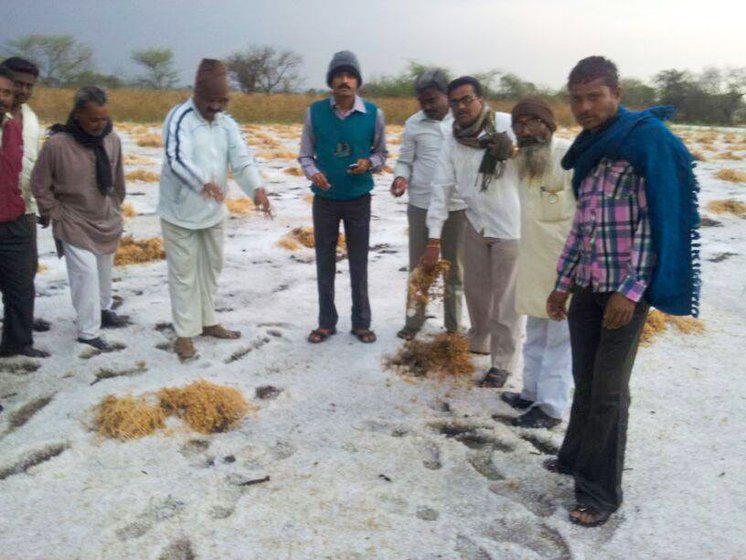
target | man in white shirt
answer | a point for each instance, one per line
(25, 74)
(201, 144)
(422, 140)
(474, 162)
(547, 212)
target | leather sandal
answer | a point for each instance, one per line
(320, 334)
(364, 335)
(595, 517)
(407, 333)
(219, 331)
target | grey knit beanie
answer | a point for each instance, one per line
(431, 78)
(344, 60)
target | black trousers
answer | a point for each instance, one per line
(355, 215)
(17, 270)
(596, 436)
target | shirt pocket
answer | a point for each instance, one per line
(553, 205)
(619, 182)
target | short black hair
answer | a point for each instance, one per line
(463, 81)
(18, 64)
(6, 73)
(593, 68)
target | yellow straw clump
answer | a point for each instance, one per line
(206, 407)
(657, 323)
(128, 211)
(240, 206)
(142, 175)
(294, 171)
(304, 236)
(446, 355)
(421, 281)
(131, 251)
(128, 418)
(731, 175)
(731, 206)
(149, 141)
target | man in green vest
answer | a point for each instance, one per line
(343, 142)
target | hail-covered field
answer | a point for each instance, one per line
(338, 456)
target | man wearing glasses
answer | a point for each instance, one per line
(474, 163)
(547, 210)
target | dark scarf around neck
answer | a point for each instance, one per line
(497, 145)
(104, 177)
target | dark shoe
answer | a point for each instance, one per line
(98, 343)
(535, 418)
(40, 325)
(110, 320)
(407, 333)
(588, 516)
(219, 331)
(364, 335)
(553, 465)
(116, 302)
(185, 349)
(320, 334)
(494, 379)
(28, 351)
(515, 400)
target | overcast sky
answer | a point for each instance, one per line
(539, 40)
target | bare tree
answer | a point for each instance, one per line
(159, 66)
(266, 69)
(60, 57)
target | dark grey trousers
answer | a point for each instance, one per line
(596, 436)
(17, 270)
(355, 215)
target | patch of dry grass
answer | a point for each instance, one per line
(143, 176)
(128, 417)
(730, 156)
(444, 355)
(423, 285)
(41, 268)
(657, 323)
(294, 171)
(149, 141)
(731, 175)
(132, 251)
(206, 407)
(727, 206)
(243, 206)
(128, 211)
(697, 155)
(303, 236)
(135, 159)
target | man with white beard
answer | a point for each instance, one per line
(547, 210)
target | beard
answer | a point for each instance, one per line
(533, 161)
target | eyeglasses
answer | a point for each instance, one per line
(533, 125)
(466, 100)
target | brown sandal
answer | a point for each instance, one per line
(320, 335)
(407, 334)
(364, 335)
(219, 331)
(595, 517)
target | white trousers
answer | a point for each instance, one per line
(490, 271)
(195, 260)
(547, 365)
(89, 276)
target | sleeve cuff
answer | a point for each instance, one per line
(632, 288)
(563, 284)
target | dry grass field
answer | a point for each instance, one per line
(148, 106)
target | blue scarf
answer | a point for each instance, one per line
(642, 140)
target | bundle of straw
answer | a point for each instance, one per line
(423, 286)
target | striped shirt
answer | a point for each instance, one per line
(609, 247)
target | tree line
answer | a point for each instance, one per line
(713, 96)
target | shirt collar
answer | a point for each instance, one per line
(421, 116)
(358, 106)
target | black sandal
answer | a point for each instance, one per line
(364, 335)
(598, 518)
(320, 335)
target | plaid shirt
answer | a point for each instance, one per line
(609, 246)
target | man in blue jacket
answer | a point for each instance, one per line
(343, 142)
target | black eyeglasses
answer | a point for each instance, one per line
(466, 100)
(532, 125)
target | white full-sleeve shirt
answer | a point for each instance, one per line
(420, 147)
(198, 152)
(494, 212)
